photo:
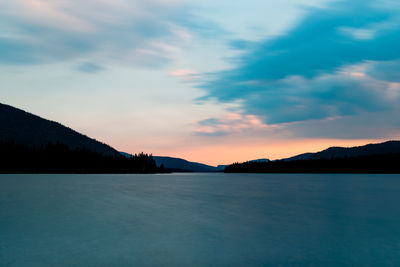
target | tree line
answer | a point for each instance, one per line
(59, 158)
(386, 163)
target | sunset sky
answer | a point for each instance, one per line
(213, 81)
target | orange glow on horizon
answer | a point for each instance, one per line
(223, 154)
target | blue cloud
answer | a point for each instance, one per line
(298, 99)
(303, 74)
(209, 122)
(15, 52)
(386, 71)
(241, 44)
(142, 33)
(89, 67)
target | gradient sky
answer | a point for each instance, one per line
(209, 81)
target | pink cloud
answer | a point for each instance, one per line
(232, 123)
(186, 74)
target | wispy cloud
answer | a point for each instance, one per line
(338, 61)
(186, 74)
(89, 67)
(232, 123)
(385, 71)
(146, 33)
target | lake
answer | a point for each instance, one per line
(200, 219)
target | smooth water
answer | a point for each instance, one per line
(200, 219)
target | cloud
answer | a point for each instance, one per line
(232, 123)
(297, 98)
(337, 61)
(186, 74)
(146, 33)
(89, 67)
(385, 71)
(241, 44)
(368, 125)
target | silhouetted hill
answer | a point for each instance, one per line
(30, 144)
(221, 167)
(372, 158)
(58, 158)
(184, 165)
(181, 165)
(22, 127)
(389, 147)
(259, 160)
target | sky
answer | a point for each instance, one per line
(209, 81)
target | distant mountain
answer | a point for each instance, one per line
(30, 144)
(221, 167)
(372, 158)
(389, 147)
(25, 128)
(181, 165)
(259, 160)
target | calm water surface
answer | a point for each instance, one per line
(200, 219)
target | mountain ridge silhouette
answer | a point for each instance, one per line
(21, 127)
